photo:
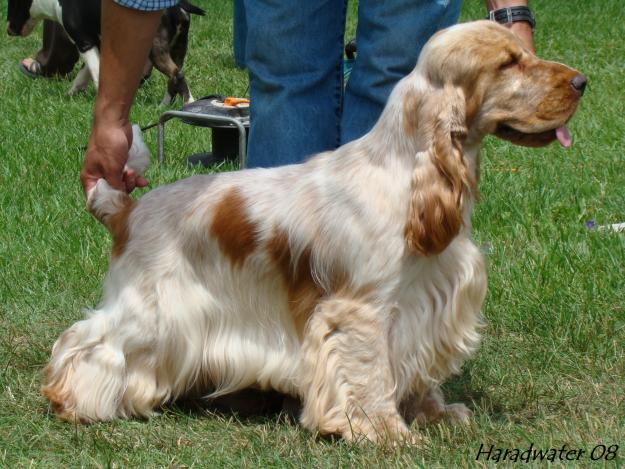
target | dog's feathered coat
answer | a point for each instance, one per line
(349, 281)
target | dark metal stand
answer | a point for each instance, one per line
(205, 120)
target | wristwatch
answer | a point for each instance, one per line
(512, 15)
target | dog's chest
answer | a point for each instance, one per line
(47, 9)
(435, 317)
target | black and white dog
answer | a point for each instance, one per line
(81, 21)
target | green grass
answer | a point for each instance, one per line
(551, 369)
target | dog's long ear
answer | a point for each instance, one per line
(441, 181)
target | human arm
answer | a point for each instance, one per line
(521, 28)
(126, 39)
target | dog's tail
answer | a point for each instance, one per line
(190, 8)
(111, 206)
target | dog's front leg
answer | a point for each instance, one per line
(91, 57)
(80, 83)
(346, 381)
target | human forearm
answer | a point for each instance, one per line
(496, 4)
(127, 36)
(126, 40)
(521, 28)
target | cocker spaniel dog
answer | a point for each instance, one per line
(349, 281)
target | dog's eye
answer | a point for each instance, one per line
(511, 62)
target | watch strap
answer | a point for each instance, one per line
(512, 15)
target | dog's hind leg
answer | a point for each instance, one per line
(99, 370)
(143, 391)
(176, 83)
(346, 381)
(85, 378)
(178, 52)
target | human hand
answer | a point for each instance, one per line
(106, 156)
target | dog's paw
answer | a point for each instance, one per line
(74, 90)
(458, 413)
(167, 99)
(385, 431)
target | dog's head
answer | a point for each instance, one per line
(502, 88)
(475, 79)
(20, 21)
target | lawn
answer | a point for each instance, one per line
(551, 369)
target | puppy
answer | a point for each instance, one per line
(349, 281)
(81, 21)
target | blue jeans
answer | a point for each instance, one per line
(294, 54)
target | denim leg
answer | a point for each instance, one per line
(239, 33)
(293, 53)
(389, 38)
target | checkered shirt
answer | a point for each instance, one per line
(147, 5)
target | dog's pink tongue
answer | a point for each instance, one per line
(564, 137)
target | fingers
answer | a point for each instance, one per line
(124, 180)
(92, 171)
(141, 181)
(132, 180)
(106, 157)
(129, 181)
(87, 181)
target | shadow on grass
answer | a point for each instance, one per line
(254, 406)
(460, 389)
(248, 406)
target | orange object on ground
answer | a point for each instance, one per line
(230, 101)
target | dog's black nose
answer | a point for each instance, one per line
(579, 83)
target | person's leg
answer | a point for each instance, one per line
(239, 33)
(294, 58)
(389, 38)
